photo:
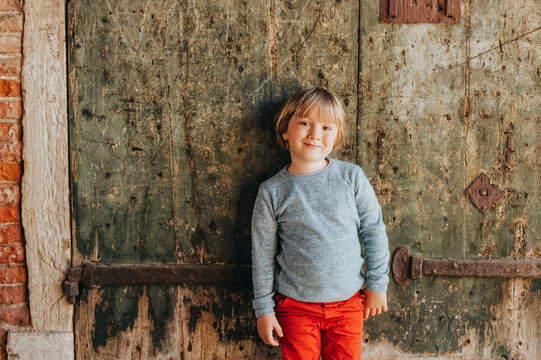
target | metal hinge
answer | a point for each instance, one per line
(407, 266)
(93, 274)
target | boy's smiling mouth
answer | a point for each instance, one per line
(312, 146)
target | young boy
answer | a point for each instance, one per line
(306, 253)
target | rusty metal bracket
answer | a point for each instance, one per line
(93, 274)
(407, 267)
(483, 194)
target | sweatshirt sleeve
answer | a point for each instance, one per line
(372, 231)
(264, 247)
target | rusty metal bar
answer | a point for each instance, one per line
(393, 8)
(509, 148)
(408, 267)
(93, 274)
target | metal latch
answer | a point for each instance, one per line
(407, 266)
(93, 274)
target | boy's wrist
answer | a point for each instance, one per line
(376, 288)
(261, 312)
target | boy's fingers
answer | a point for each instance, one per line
(279, 331)
(268, 337)
(273, 341)
(269, 340)
(366, 314)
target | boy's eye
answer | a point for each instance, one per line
(304, 123)
(327, 128)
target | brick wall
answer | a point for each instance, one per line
(13, 298)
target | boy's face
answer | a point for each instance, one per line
(310, 139)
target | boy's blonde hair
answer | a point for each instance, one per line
(302, 103)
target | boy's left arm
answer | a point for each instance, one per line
(376, 244)
(376, 303)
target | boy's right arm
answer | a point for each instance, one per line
(266, 324)
(264, 248)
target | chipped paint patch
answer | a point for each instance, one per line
(199, 325)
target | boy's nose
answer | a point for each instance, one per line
(314, 134)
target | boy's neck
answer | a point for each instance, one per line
(302, 168)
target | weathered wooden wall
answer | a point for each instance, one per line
(171, 108)
(442, 97)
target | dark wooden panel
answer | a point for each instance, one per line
(171, 111)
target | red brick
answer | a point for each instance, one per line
(10, 5)
(10, 172)
(9, 131)
(3, 353)
(10, 213)
(10, 66)
(10, 88)
(10, 45)
(11, 109)
(10, 152)
(11, 23)
(3, 336)
(11, 295)
(12, 274)
(10, 193)
(11, 253)
(18, 316)
(11, 234)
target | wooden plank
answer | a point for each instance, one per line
(120, 135)
(188, 90)
(429, 89)
(502, 56)
(45, 184)
(223, 128)
(409, 145)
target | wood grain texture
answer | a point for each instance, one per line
(45, 184)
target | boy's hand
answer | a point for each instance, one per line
(265, 325)
(376, 303)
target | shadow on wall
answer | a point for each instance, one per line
(267, 159)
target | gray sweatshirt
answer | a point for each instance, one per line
(305, 237)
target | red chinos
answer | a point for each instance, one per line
(332, 330)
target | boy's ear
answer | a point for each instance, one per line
(284, 136)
